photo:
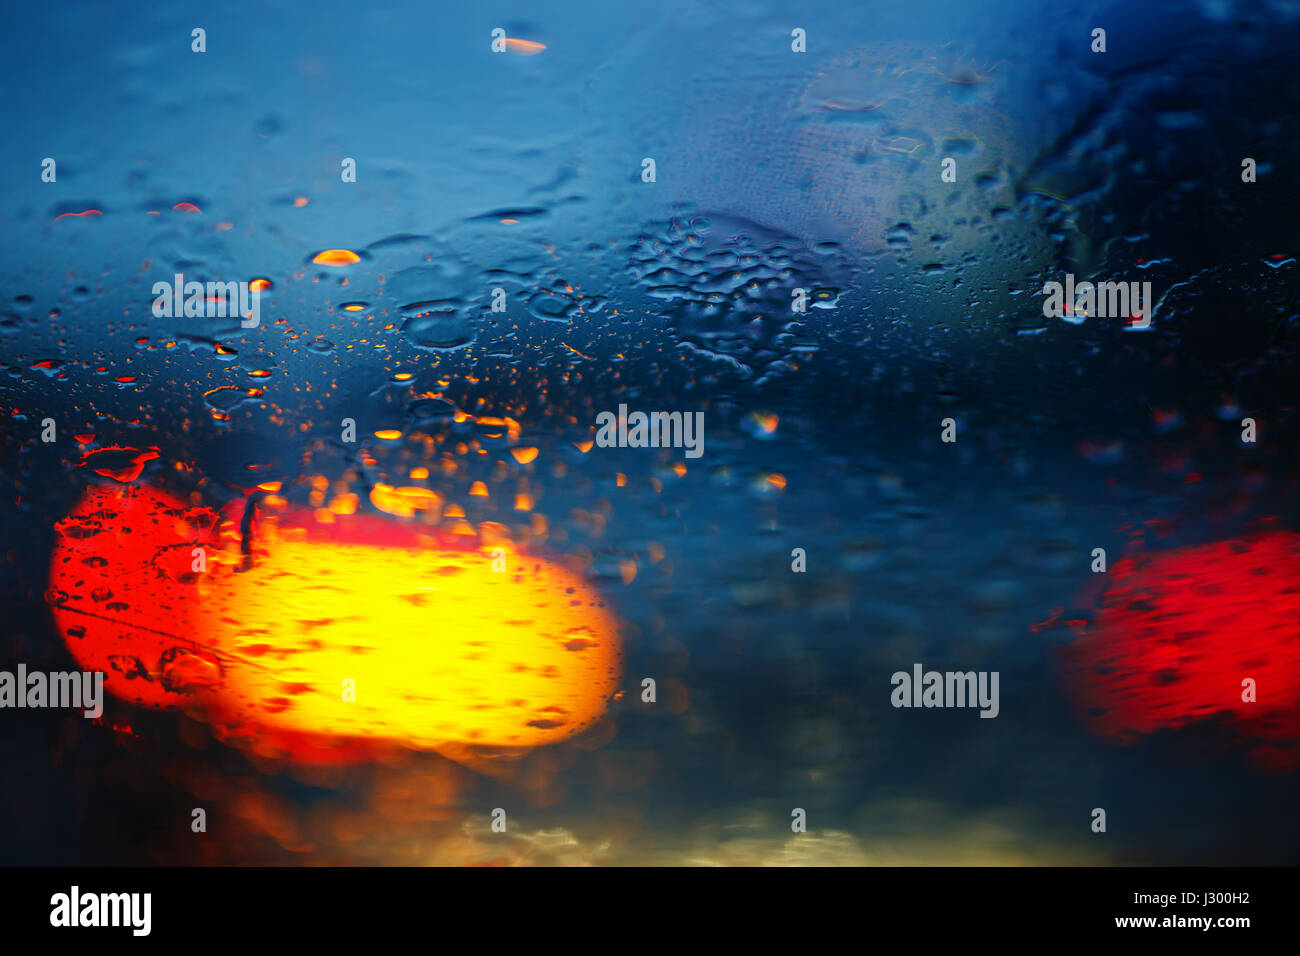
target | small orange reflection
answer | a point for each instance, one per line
(336, 257)
(404, 501)
(524, 47)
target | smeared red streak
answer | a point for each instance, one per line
(187, 207)
(1058, 619)
(1177, 633)
(77, 215)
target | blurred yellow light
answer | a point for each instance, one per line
(416, 645)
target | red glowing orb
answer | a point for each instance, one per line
(1191, 634)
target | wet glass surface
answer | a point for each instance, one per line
(498, 585)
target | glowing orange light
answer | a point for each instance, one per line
(307, 640)
(524, 47)
(524, 454)
(260, 285)
(344, 504)
(187, 207)
(404, 501)
(336, 257)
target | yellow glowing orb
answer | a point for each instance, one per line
(309, 639)
(412, 644)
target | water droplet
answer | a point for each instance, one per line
(185, 670)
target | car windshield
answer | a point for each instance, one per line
(720, 432)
